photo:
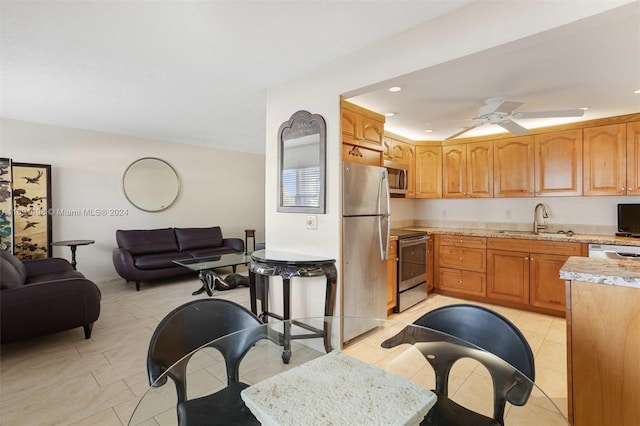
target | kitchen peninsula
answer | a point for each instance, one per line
(603, 340)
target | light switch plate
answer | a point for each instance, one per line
(312, 222)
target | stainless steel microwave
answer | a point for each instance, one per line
(398, 180)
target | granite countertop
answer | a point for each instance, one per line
(624, 273)
(576, 238)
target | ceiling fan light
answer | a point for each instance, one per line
(637, 92)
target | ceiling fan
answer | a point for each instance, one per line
(500, 111)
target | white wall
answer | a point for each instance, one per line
(591, 215)
(217, 187)
(479, 26)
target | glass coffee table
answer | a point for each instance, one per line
(205, 267)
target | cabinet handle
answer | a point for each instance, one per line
(460, 282)
(526, 258)
(460, 259)
(622, 189)
(629, 189)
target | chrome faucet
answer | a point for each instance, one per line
(537, 227)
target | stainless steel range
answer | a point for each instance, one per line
(412, 268)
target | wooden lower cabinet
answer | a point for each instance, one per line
(546, 289)
(430, 266)
(527, 272)
(603, 365)
(392, 276)
(528, 278)
(514, 272)
(461, 264)
(508, 276)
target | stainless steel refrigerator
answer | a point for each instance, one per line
(365, 244)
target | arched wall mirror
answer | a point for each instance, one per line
(301, 164)
(151, 184)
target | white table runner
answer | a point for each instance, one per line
(336, 389)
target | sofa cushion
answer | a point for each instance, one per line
(211, 252)
(159, 260)
(9, 277)
(147, 241)
(17, 264)
(198, 238)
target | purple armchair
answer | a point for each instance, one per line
(44, 296)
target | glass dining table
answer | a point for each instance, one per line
(363, 382)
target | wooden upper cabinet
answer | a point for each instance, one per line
(361, 126)
(633, 158)
(513, 174)
(467, 170)
(558, 163)
(428, 173)
(605, 160)
(454, 171)
(480, 169)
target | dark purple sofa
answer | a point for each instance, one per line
(144, 255)
(43, 296)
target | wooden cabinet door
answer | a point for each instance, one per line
(410, 162)
(633, 158)
(479, 181)
(357, 154)
(508, 276)
(454, 171)
(372, 130)
(513, 174)
(428, 172)
(558, 163)
(349, 125)
(546, 289)
(605, 160)
(392, 275)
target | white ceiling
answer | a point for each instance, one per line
(197, 72)
(593, 63)
(182, 71)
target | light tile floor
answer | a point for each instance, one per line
(63, 379)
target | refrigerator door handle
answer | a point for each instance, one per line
(384, 215)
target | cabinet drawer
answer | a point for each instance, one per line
(463, 282)
(463, 241)
(531, 246)
(468, 259)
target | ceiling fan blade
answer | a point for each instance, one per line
(549, 114)
(497, 105)
(465, 130)
(513, 127)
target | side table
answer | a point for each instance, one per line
(74, 245)
(265, 263)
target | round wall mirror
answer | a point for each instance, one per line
(151, 184)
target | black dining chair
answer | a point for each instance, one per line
(189, 327)
(513, 371)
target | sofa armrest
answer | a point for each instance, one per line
(47, 266)
(46, 307)
(123, 262)
(234, 243)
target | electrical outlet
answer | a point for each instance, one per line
(312, 222)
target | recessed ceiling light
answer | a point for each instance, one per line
(429, 131)
(637, 92)
(584, 108)
(395, 89)
(389, 114)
